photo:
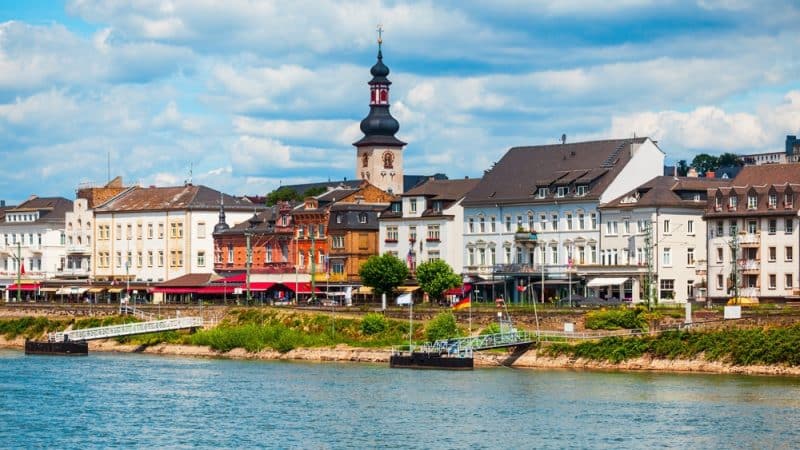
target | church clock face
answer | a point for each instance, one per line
(388, 160)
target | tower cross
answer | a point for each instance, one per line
(380, 34)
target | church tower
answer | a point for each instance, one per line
(379, 155)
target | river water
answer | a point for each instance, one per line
(125, 401)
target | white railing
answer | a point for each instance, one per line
(128, 329)
(750, 264)
(749, 238)
(127, 309)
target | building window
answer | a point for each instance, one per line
(433, 232)
(594, 221)
(337, 267)
(321, 228)
(690, 227)
(772, 226)
(119, 260)
(492, 256)
(531, 222)
(666, 256)
(492, 225)
(581, 222)
(568, 219)
(554, 220)
(581, 190)
(788, 201)
(733, 201)
(720, 228)
(139, 231)
(543, 222)
(554, 254)
(412, 234)
(129, 232)
(433, 255)
(413, 205)
(149, 231)
(471, 225)
(787, 281)
(773, 254)
(689, 256)
(161, 230)
(666, 226)
(201, 230)
(773, 201)
(593, 254)
(788, 226)
(719, 281)
(626, 226)
(788, 253)
(230, 253)
(562, 191)
(773, 284)
(201, 259)
(139, 259)
(338, 241)
(362, 218)
(119, 232)
(391, 234)
(150, 258)
(161, 258)
(507, 255)
(508, 224)
(667, 289)
(542, 193)
(733, 227)
(470, 256)
(752, 201)
(690, 289)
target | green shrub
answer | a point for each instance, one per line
(374, 323)
(443, 326)
(492, 328)
(30, 327)
(615, 319)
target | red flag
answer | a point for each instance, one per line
(521, 288)
(22, 268)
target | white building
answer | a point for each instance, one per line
(427, 223)
(159, 233)
(753, 236)
(671, 210)
(534, 214)
(32, 241)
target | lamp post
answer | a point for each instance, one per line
(19, 272)
(248, 233)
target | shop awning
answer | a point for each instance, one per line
(212, 290)
(259, 286)
(301, 288)
(364, 290)
(71, 290)
(48, 289)
(114, 290)
(407, 288)
(460, 290)
(23, 287)
(596, 282)
(96, 290)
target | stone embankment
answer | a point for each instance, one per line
(530, 359)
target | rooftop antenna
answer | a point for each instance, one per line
(191, 165)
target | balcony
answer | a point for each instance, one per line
(750, 266)
(79, 249)
(525, 237)
(750, 239)
(515, 268)
(749, 292)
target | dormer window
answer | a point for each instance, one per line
(788, 201)
(752, 201)
(338, 218)
(696, 197)
(542, 192)
(396, 207)
(733, 201)
(773, 200)
(582, 190)
(437, 206)
(718, 203)
(413, 205)
(562, 191)
(362, 218)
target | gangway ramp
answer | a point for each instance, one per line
(128, 329)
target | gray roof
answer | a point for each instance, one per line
(522, 170)
(349, 215)
(444, 189)
(52, 210)
(668, 191)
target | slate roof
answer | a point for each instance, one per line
(443, 189)
(667, 191)
(409, 182)
(52, 210)
(188, 197)
(350, 214)
(518, 174)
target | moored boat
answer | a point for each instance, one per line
(429, 360)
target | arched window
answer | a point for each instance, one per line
(388, 160)
(364, 160)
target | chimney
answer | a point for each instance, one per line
(692, 173)
(710, 174)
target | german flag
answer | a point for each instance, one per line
(464, 303)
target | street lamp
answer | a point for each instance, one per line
(248, 233)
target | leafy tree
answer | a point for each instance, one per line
(683, 168)
(383, 273)
(284, 194)
(729, 159)
(443, 326)
(313, 192)
(435, 277)
(705, 162)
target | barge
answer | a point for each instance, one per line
(69, 348)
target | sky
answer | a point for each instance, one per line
(245, 96)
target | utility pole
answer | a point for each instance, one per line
(248, 263)
(648, 256)
(19, 272)
(313, 265)
(734, 245)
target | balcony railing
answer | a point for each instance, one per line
(750, 265)
(749, 292)
(749, 238)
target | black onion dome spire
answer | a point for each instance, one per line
(222, 225)
(379, 127)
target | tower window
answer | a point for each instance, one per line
(384, 96)
(364, 160)
(388, 160)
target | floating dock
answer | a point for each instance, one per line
(429, 360)
(69, 348)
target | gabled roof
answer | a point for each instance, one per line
(664, 191)
(50, 209)
(768, 174)
(444, 189)
(188, 197)
(522, 169)
(346, 216)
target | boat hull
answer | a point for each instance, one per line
(418, 360)
(56, 348)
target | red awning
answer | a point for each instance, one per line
(214, 290)
(24, 287)
(239, 278)
(175, 290)
(259, 286)
(302, 288)
(461, 290)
